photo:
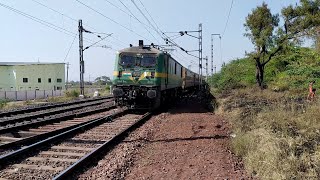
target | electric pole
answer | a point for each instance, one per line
(212, 53)
(67, 76)
(206, 68)
(200, 55)
(80, 28)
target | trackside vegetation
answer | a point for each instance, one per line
(276, 131)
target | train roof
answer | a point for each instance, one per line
(138, 49)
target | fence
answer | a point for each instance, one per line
(35, 94)
(29, 95)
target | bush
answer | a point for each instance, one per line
(277, 136)
(290, 71)
(3, 103)
(72, 93)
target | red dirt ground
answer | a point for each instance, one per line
(187, 142)
(187, 145)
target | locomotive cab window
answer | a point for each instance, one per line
(143, 60)
(127, 61)
(148, 61)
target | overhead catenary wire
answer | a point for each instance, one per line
(143, 24)
(112, 20)
(70, 48)
(225, 27)
(131, 15)
(43, 22)
(153, 27)
(157, 29)
(149, 15)
(65, 58)
(75, 20)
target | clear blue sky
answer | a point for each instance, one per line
(23, 39)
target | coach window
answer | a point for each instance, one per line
(25, 80)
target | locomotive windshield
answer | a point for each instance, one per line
(127, 61)
(142, 60)
(148, 61)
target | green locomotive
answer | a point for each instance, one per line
(145, 77)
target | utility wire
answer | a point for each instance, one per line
(146, 18)
(53, 10)
(144, 25)
(149, 15)
(111, 19)
(225, 27)
(157, 29)
(70, 48)
(118, 7)
(73, 19)
(43, 22)
(65, 58)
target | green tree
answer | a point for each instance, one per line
(103, 80)
(260, 25)
(270, 39)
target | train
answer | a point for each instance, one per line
(145, 77)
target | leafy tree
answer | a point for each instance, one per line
(261, 24)
(103, 80)
(269, 39)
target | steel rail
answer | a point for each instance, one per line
(48, 120)
(67, 173)
(49, 106)
(10, 157)
(47, 113)
(32, 139)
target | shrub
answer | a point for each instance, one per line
(72, 93)
(277, 136)
(3, 103)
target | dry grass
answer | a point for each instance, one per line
(278, 137)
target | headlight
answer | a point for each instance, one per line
(152, 74)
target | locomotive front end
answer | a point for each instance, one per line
(135, 82)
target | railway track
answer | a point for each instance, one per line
(61, 155)
(17, 139)
(4, 114)
(31, 119)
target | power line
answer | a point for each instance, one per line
(70, 48)
(144, 25)
(53, 10)
(118, 7)
(146, 18)
(149, 15)
(111, 20)
(68, 53)
(43, 22)
(128, 13)
(157, 29)
(73, 19)
(225, 27)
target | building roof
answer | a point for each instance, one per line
(25, 63)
